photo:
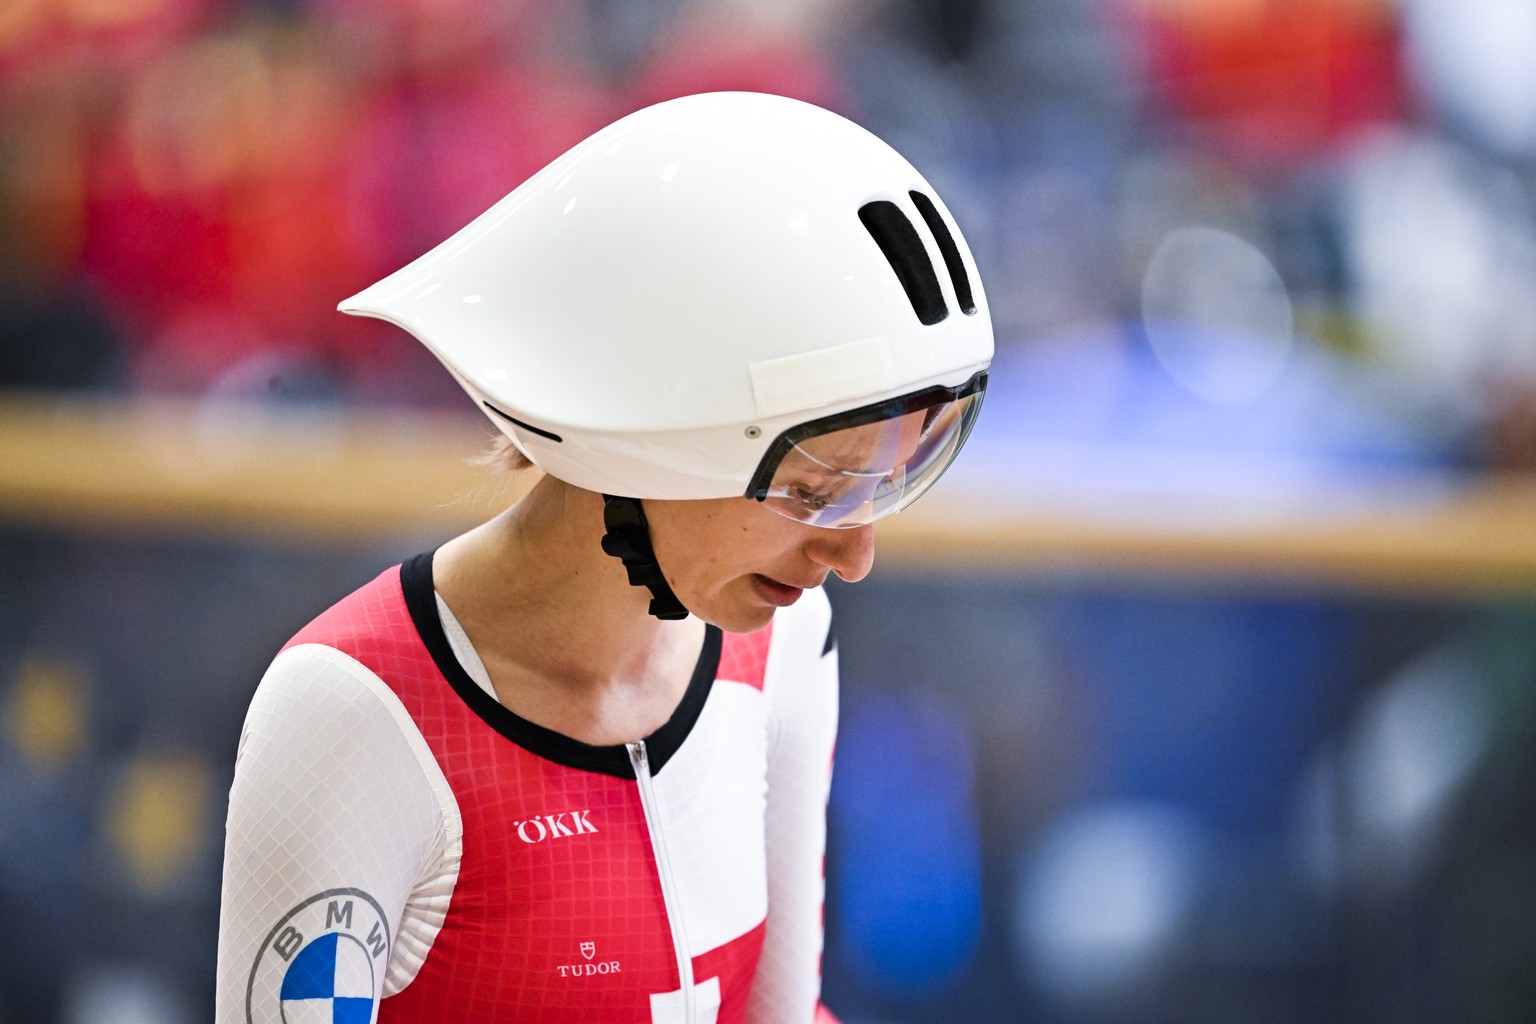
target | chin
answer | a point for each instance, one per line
(739, 620)
(735, 607)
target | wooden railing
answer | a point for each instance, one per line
(215, 468)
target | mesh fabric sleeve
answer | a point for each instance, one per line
(335, 792)
(800, 685)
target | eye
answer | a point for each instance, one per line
(799, 502)
(811, 500)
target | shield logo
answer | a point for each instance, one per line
(588, 948)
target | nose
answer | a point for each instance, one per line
(849, 553)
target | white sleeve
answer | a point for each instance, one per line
(800, 684)
(340, 824)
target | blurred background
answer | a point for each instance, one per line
(1203, 689)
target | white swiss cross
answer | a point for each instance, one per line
(668, 1007)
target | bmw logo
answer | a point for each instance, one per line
(321, 963)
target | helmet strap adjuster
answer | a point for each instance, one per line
(628, 538)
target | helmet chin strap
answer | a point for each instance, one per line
(628, 538)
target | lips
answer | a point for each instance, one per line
(780, 595)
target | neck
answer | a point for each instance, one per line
(539, 598)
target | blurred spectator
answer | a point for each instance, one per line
(54, 331)
(1441, 249)
(217, 207)
(93, 42)
(1269, 83)
(457, 103)
(460, 103)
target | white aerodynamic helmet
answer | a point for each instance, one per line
(724, 294)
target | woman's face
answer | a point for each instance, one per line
(733, 561)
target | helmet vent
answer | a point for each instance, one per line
(904, 251)
(952, 261)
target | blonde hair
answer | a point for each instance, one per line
(502, 454)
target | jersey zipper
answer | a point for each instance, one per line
(641, 763)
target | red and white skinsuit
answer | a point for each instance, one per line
(401, 847)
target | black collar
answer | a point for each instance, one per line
(421, 601)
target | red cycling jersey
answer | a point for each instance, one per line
(402, 847)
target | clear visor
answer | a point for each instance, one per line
(856, 467)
